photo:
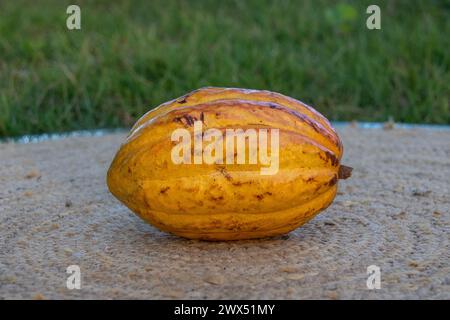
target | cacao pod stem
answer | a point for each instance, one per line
(344, 172)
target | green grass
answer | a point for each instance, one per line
(133, 55)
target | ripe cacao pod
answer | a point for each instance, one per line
(228, 200)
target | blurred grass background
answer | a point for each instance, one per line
(132, 55)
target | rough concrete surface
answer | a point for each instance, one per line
(56, 211)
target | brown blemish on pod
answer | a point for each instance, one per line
(262, 195)
(183, 99)
(333, 181)
(329, 156)
(188, 120)
(225, 173)
(220, 198)
(240, 183)
(164, 190)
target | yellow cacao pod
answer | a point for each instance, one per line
(228, 164)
